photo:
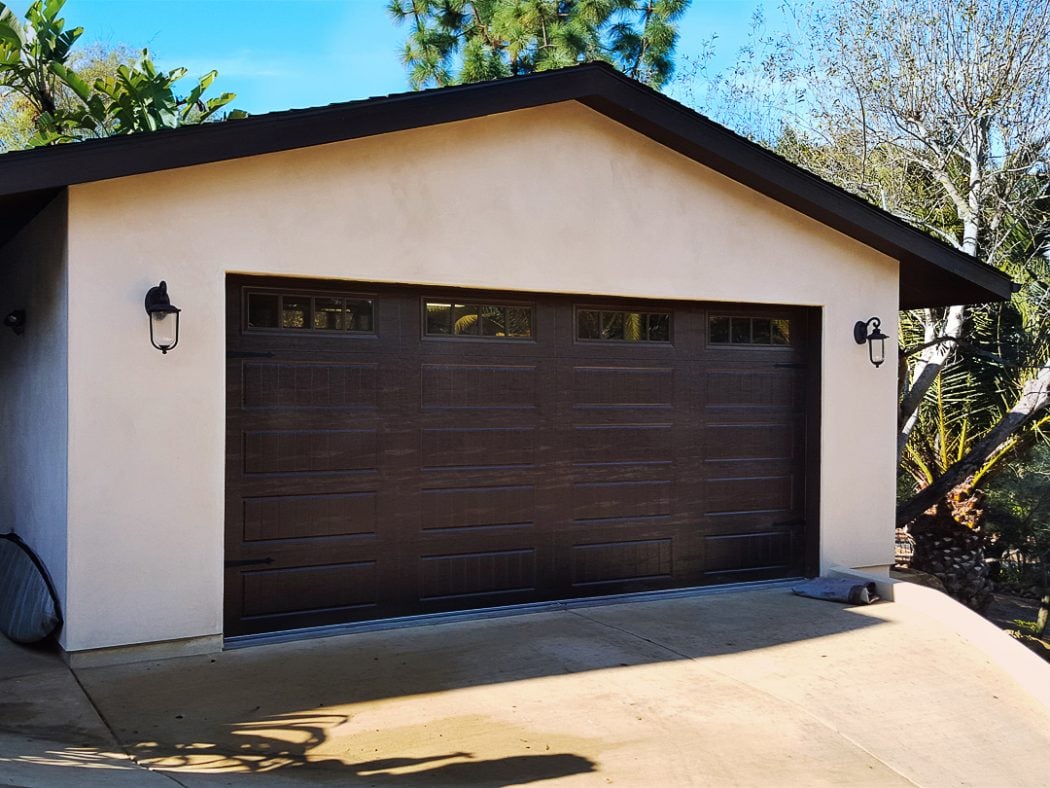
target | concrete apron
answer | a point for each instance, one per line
(51, 734)
(750, 688)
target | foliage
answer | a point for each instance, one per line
(1019, 506)
(18, 114)
(49, 94)
(459, 41)
(1019, 512)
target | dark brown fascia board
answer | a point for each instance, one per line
(932, 273)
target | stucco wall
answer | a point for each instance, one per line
(33, 390)
(556, 199)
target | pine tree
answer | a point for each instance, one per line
(458, 41)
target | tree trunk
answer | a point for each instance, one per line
(954, 554)
(926, 370)
(1043, 617)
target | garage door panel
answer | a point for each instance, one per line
(767, 440)
(619, 386)
(622, 499)
(297, 516)
(305, 419)
(624, 561)
(750, 493)
(307, 549)
(750, 389)
(478, 574)
(619, 351)
(310, 451)
(477, 447)
(755, 552)
(479, 386)
(306, 589)
(263, 485)
(299, 384)
(477, 507)
(617, 444)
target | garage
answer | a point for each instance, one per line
(381, 406)
(397, 450)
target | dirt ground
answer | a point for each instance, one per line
(1006, 609)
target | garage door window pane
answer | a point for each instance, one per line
(328, 314)
(262, 310)
(781, 332)
(719, 330)
(493, 321)
(359, 315)
(519, 322)
(439, 318)
(760, 331)
(295, 312)
(589, 324)
(659, 328)
(465, 319)
(740, 331)
(612, 325)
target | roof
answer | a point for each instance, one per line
(932, 272)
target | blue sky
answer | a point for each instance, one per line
(280, 54)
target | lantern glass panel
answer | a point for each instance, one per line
(164, 329)
(877, 350)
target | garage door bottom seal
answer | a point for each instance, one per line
(431, 619)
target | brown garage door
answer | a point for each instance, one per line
(395, 451)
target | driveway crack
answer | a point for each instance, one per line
(131, 756)
(635, 635)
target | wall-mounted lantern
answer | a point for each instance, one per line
(16, 321)
(163, 318)
(875, 338)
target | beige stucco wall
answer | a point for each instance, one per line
(556, 199)
(33, 434)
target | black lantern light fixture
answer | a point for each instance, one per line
(163, 318)
(875, 338)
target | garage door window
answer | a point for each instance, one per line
(477, 321)
(725, 330)
(306, 312)
(623, 326)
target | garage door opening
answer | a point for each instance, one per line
(398, 451)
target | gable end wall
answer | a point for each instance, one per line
(557, 199)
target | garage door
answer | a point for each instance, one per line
(397, 451)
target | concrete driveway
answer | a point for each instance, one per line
(754, 687)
